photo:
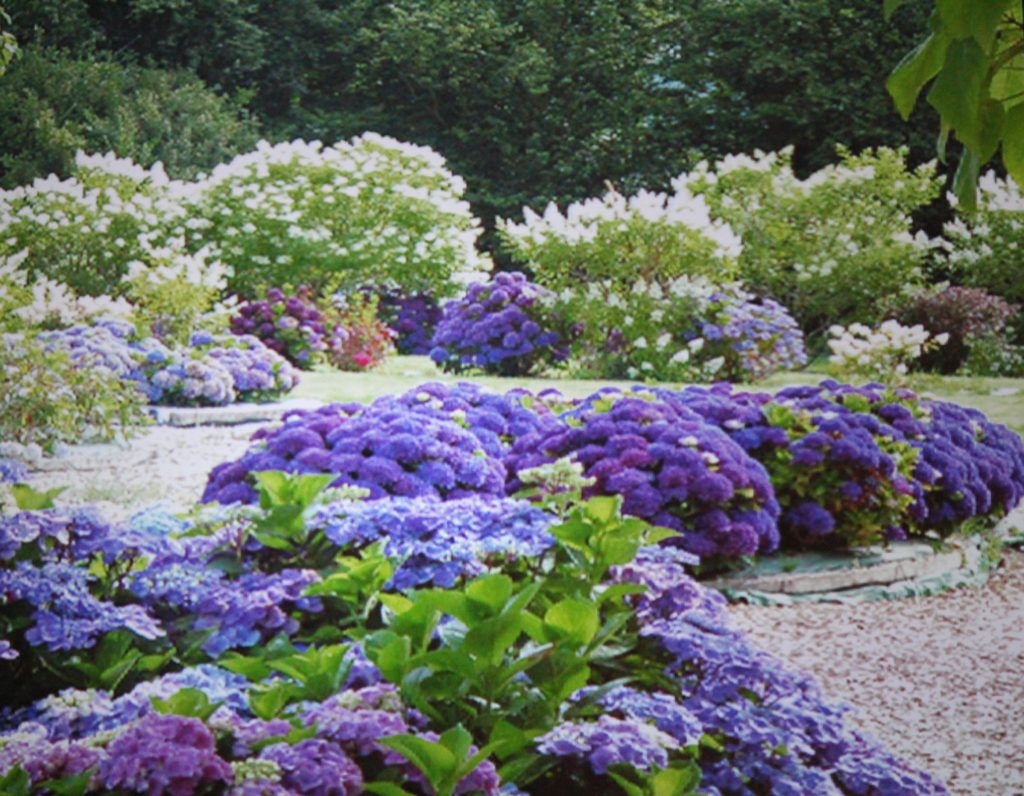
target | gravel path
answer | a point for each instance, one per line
(940, 679)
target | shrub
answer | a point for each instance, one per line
(964, 313)
(360, 340)
(86, 231)
(833, 247)
(52, 399)
(54, 105)
(368, 209)
(670, 467)
(986, 248)
(413, 318)
(886, 353)
(386, 448)
(504, 326)
(290, 325)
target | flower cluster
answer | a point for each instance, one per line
(610, 741)
(386, 448)
(370, 208)
(986, 247)
(290, 325)
(670, 467)
(360, 340)
(966, 314)
(437, 542)
(885, 353)
(12, 471)
(504, 326)
(412, 317)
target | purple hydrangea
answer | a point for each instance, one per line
(291, 326)
(660, 709)
(438, 542)
(609, 741)
(670, 467)
(315, 767)
(174, 755)
(413, 318)
(386, 448)
(12, 471)
(503, 326)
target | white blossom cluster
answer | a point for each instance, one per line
(589, 220)
(987, 246)
(882, 353)
(372, 205)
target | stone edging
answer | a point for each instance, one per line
(234, 414)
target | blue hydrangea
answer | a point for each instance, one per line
(609, 741)
(12, 471)
(503, 326)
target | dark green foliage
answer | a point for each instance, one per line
(52, 105)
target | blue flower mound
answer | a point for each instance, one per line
(501, 326)
(670, 467)
(12, 471)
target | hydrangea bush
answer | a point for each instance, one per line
(413, 318)
(505, 326)
(290, 325)
(369, 208)
(832, 247)
(304, 684)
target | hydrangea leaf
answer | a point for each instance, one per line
(573, 620)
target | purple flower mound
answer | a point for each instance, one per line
(257, 372)
(971, 465)
(12, 471)
(502, 326)
(43, 759)
(172, 755)
(438, 542)
(413, 318)
(609, 741)
(288, 325)
(756, 336)
(780, 735)
(315, 767)
(671, 468)
(385, 447)
(496, 419)
(660, 709)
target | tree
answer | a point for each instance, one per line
(973, 57)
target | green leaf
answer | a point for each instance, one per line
(385, 789)
(435, 761)
(573, 620)
(675, 781)
(603, 508)
(186, 702)
(267, 703)
(490, 591)
(973, 18)
(28, 499)
(917, 67)
(1013, 144)
(958, 91)
(965, 181)
(73, 785)
(16, 782)
(457, 740)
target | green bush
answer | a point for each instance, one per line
(54, 105)
(370, 209)
(831, 247)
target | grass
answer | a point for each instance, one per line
(1001, 399)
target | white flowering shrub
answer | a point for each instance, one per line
(986, 248)
(370, 209)
(85, 230)
(828, 247)
(884, 354)
(653, 237)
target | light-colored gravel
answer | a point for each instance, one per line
(940, 680)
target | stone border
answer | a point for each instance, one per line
(902, 569)
(234, 414)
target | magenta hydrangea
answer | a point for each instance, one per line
(291, 326)
(503, 326)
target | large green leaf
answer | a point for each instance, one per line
(573, 620)
(965, 181)
(958, 91)
(1013, 144)
(917, 67)
(973, 18)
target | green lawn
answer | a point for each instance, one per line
(1000, 399)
